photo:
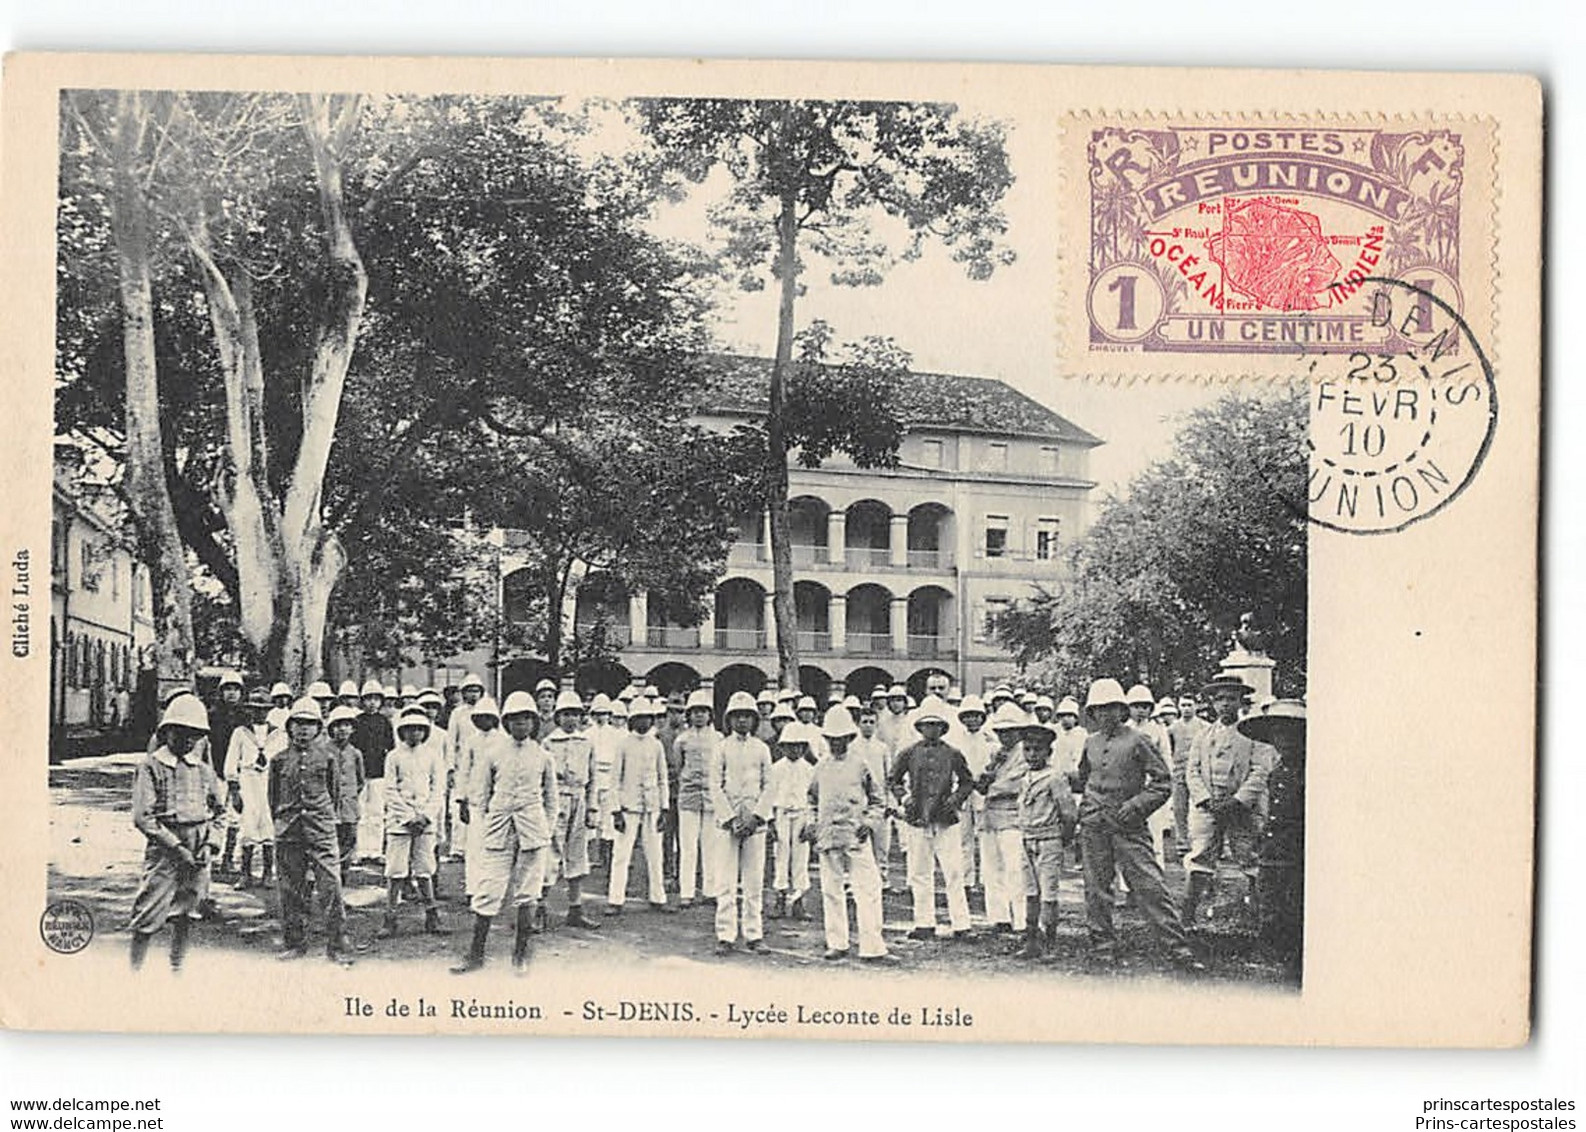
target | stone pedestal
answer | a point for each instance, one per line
(1255, 669)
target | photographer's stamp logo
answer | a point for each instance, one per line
(67, 926)
(1261, 239)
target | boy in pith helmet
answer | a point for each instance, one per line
(1124, 779)
(576, 816)
(373, 735)
(698, 744)
(846, 798)
(484, 730)
(790, 781)
(740, 791)
(415, 778)
(514, 796)
(304, 797)
(639, 800)
(175, 796)
(349, 765)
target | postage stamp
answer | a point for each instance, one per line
(1258, 237)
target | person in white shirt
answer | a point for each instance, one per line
(459, 737)
(978, 745)
(414, 779)
(846, 797)
(483, 731)
(999, 782)
(1142, 705)
(790, 779)
(247, 770)
(740, 791)
(697, 849)
(607, 729)
(513, 796)
(638, 799)
(878, 760)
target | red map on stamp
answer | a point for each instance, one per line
(1274, 254)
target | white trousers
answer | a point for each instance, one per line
(929, 846)
(636, 827)
(792, 853)
(740, 875)
(852, 869)
(697, 852)
(371, 827)
(1002, 866)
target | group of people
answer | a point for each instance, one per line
(999, 793)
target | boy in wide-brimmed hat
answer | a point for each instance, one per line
(1225, 780)
(1123, 778)
(1047, 816)
(577, 817)
(1281, 850)
(349, 765)
(175, 797)
(790, 781)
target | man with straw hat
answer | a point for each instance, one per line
(1225, 780)
(1280, 854)
(247, 786)
(1123, 779)
(933, 780)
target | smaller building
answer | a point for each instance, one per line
(101, 618)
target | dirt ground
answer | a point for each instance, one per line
(96, 857)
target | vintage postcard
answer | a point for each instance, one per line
(775, 550)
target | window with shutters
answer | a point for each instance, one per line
(993, 609)
(931, 453)
(995, 458)
(1046, 532)
(1051, 460)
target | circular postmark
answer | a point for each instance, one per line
(1395, 437)
(66, 926)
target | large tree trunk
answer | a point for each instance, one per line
(249, 507)
(288, 563)
(148, 494)
(777, 448)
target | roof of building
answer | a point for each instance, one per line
(741, 383)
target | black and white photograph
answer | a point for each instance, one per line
(577, 549)
(493, 532)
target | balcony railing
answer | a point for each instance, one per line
(812, 641)
(807, 555)
(929, 560)
(932, 646)
(748, 553)
(618, 636)
(867, 557)
(740, 640)
(870, 644)
(672, 637)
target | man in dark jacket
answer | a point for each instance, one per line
(1123, 778)
(305, 790)
(226, 714)
(933, 780)
(372, 735)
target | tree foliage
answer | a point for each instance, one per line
(515, 310)
(1159, 583)
(862, 185)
